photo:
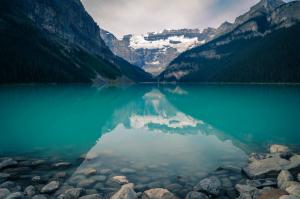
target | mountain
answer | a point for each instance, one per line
(155, 50)
(263, 46)
(56, 41)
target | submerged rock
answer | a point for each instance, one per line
(196, 195)
(158, 193)
(120, 179)
(86, 183)
(92, 196)
(8, 162)
(3, 177)
(61, 165)
(126, 192)
(50, 187)
(127, 171)
(73, 193)
(298, 177)
(30, 191)
(16, 195)
(105, 171)
(39, 196)
(211, 185)
(4, 193)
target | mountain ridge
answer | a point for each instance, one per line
(231, 54)
(57, 41)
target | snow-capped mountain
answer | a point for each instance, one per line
(155, 50)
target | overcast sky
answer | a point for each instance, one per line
(141, 16)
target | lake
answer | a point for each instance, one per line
(154, 135)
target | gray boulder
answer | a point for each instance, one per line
(211, 185)
(158, 193)
(50, 187)
(196, 195)
(126, 192)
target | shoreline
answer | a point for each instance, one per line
(273, 174)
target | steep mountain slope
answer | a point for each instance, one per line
(155, 50)
(264, 48)
(56, 41)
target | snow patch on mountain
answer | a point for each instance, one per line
(180, 43)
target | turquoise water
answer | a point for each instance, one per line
(186, 130)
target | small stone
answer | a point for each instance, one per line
(175, 188)
(91, 191)
(196, 195)
(282, 179)
(30, 191)
(3, 177)
(60, 175)
(126, 192)
(211, 185)
(39, 196)
(50, 187)
(86, 183)
(61, 165)
(36, 179)
(298, 177)
(8, 185)
(105, 171)
(153, 185)
(158, 193)
(120, 179)
(73, 193)
(271, 194)
(127, 171)
(99, 178)
(93, 196)
(8, 162)
(16, 195)
(38, 163)
(289, 197)
(245, 188)
(294, 189)
(88, 171)
(276, 148)
(4, 193)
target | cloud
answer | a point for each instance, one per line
(140, 16)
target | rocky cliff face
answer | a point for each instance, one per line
(154, 51)
(260, 46)
(63, 45)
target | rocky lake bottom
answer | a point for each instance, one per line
(273, 174)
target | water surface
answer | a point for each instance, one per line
(160, 132)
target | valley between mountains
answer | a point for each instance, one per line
(59, 42)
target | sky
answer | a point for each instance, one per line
(123, 17)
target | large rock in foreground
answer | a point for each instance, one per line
(126, 192)
(158, 194)
(271, 166)
(211, 185)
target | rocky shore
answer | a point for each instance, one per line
(271, 175)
